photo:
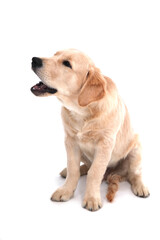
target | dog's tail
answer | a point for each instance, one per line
(113, 181)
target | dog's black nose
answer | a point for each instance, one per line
(36, 62)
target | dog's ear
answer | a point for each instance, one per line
(93, 88)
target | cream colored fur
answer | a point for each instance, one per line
(97, 127)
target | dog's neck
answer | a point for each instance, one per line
(91, 111)
(71, 104)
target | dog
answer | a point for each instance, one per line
(98, 131)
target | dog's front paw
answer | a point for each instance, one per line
(61, 194)
(92, 203)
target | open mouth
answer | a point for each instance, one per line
(41, 88)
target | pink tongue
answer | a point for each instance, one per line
(39, 87)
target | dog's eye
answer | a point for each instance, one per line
(67, 64)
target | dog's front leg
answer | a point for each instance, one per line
(65, 192)
(92, 198)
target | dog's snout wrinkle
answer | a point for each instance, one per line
(36, 62)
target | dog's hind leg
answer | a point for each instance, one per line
(134, 174)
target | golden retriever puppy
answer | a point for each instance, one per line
(97, 127)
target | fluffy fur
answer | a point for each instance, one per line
(97, 128)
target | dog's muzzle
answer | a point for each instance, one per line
(40, 88)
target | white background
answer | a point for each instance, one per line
(122, 38)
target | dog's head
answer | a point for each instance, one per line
(70, 75)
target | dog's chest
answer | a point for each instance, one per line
(86, 144)
(82, 137)
(87, 147)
